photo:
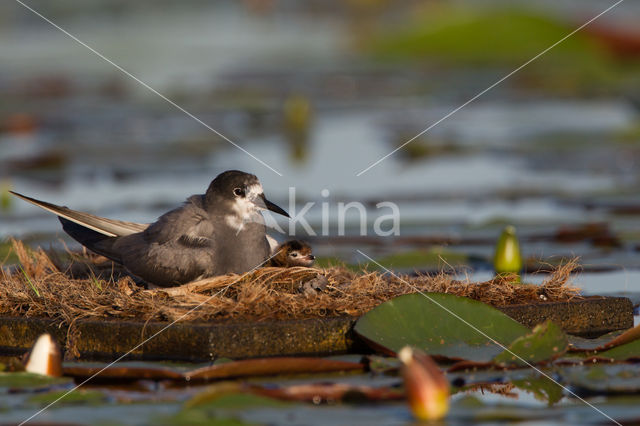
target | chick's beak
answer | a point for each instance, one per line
(262, 202)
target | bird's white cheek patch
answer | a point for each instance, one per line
(245, 210)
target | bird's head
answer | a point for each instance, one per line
(240, 193)
(298, 253)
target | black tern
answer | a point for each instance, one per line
(219, 232)
(292, 253)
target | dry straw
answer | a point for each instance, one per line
(85, 286)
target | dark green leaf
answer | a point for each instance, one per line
(440, 324)
(547, 341)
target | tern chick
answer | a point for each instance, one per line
(292, 253)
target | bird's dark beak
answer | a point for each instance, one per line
(273, 207)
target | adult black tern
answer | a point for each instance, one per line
(219, 232)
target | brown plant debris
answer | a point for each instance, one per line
(86, 286)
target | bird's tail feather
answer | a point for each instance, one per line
(94, 241)
(102, 225)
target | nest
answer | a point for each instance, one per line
(83, 286)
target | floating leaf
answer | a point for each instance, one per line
(542, 388)
(122, 372)
(582, 344)
(229, 395)
(627, 337)
(546, 342)
(382, 364)
(223, 370)
(272, 366)
(440, 324)
(607, 379)
(24, 381)
(435, 256)
(220, 404)
(77, 397)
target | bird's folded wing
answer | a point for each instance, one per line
(108, 227)
(194, 241)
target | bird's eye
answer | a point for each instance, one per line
(239, 192)
(294, 254)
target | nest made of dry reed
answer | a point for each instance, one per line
(83, 286)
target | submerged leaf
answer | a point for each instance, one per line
(546, 342)
(440, 324)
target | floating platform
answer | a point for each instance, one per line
(200, 342)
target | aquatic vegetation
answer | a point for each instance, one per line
(432, 257)
(546, 342)
(31, 381)
(220, 370)
(411, 320)
(455, 36)
(77, 397)
(478, 335)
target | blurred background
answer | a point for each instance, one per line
(320, 90)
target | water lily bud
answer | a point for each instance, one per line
(507, 258)
(426, 387)
(45, 357)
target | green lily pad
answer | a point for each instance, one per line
(546, 342)
(229, 395)
(29, 381)
(429, 322)
(435, 256)
(542, 388)
(221, 404)
(77, 397)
